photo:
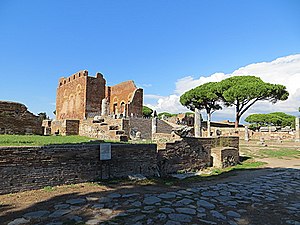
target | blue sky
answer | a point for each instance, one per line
(154, 43)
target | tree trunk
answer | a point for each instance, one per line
(208, 124)
(237, 120)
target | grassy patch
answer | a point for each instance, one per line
(49, 188)
(36, 140)
(279, 153)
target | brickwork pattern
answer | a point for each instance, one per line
(16, 119)
(190, 154)
(143, 125)
(27, 168)
(164, 127)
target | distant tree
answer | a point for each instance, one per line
(271, 119)
(244, 91)
(155, 114)
(147, 112)
(205, 97)
(166, 114)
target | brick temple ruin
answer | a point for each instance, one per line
(80, 96)
(86, 106)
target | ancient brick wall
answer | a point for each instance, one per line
(232, 141)
(224, 156)
(94, 94)
(79, 96)
(161, 139)
(27, 168)
(143, 125)
(164, 127)
(125, 98)
(109, 129)
(135, 107)
(70, 96)
(189, 154)
(65, 127)
(16, 119)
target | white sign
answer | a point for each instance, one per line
(105, 151)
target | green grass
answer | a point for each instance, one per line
(36, 140)
(49, 188)
(279, 153)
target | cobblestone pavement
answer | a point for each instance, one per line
(269, 199)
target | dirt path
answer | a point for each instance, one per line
(281, 163)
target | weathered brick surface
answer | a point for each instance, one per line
(224, 156)
(126, 98)
(143, 125)
(164, 127)
(65, 127)
(191, 153)
(79, 96)
(104, 129)
(186, 155)
(26, 168)
(16, 119)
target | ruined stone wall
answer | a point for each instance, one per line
(135, 107)
(143, 125)
(190, 154)
(65, 127)
(16, 119)
(268, 135)
(224, 156)
(79, 96)
(27, 168)
(94, 94)
(109, 129)
(125, 98)
(70, 96)
(161, 139)
(164, 127)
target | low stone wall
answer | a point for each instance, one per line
(109, 129)
(143, 125)
(188, 154)
(164, 127)
(65, 127)
(191, 154)
(27, 168)
(225, 156)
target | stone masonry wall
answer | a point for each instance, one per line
(102, 130)
(143, 125)
(71, 95)
(189, 154)
(16, 119)
(27, 168)
(164, 127)
(125, 98)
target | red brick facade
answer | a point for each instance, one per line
(80, 96)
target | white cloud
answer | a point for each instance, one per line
(144, 85)
(284, 70)
(169, 104)
(153, 96)
(186, 83)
